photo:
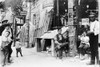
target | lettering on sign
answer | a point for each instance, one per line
(85, 21)
(47, 3)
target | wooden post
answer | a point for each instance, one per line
(72, 43)
(52, 47)
(28, 18)
(99, 24)
(58, 13)
(57, 7)
(70, 12)
(99, 16)
(14, 29)
(37, 44)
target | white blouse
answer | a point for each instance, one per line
(85, 39)
(94, 27)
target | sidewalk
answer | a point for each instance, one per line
(33, 59)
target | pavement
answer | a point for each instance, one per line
(42, 59)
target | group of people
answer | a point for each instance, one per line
(6, 41)
(89, 40)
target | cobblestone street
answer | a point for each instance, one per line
(32, 59)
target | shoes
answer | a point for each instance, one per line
(92, 63)
(98, 62)
(83, 58)
(10, 61)
(60, 57)
(3, 65)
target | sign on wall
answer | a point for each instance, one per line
(70, 16)
(85, 21)
(47, 3)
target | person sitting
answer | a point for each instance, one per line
(60, 43)
(84, 45)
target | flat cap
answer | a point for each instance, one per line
(92, 14)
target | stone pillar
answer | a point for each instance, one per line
(72, 28)
(70, 12)
(28, 19)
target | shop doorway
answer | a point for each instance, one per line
(60, 17)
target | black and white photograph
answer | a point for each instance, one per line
(49, 33)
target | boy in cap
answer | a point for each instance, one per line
(18, 47)
(84, 45)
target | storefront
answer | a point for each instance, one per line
(43, 18)
(61, 17)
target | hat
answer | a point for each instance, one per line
(92, 14)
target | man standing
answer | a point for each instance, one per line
(93, 34)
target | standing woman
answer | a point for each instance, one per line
(4, 41)
(10, 44)
(93, 34)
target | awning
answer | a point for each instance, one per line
(53, 33)
(2, 0)
(49, 9)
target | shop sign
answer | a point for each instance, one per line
(70, 3)
(23, 12)
(70, 16)
(85, 21)
(47, 3)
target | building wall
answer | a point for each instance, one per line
(40, 18)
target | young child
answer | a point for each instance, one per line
(18, 47)
(84, 45)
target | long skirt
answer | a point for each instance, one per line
(3, 55)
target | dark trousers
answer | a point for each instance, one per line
(18, 50)
(94, 48)
(10, 52)
(83, 48)
(59, 52)
(5, 52)
(61, 49)
(78, 44)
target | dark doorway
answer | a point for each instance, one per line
(63, 9)
(86, 6)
